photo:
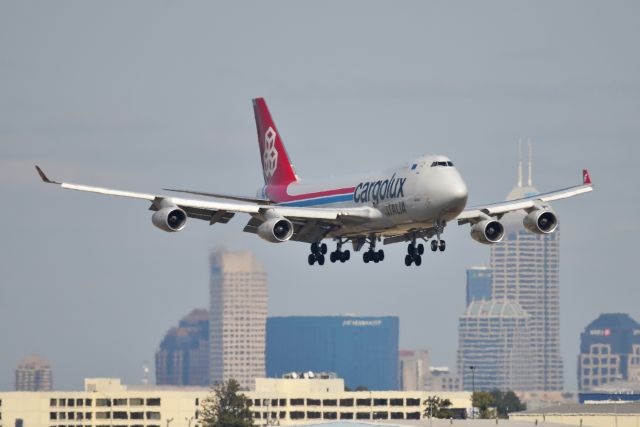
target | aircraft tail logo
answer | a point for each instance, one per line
(269, 154)
(276, 167)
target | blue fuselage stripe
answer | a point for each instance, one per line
(320, 200)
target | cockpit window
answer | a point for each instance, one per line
(448, 163)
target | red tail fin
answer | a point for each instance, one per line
(586, 179)
(276, 166)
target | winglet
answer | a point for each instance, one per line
(44, 177)
(586, 179)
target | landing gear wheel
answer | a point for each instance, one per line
(320, 259)
(443, 246)
(374, 256)
(323, 248)
(434, 245)
(411, 249)
(365, 257)
(346, 255)
(381, 255)
(311, 259)
(333, 256)
(408, 260)
(420, 249)
(418, 260)
(314, 248)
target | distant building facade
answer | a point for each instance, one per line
(34, 374)
(362, 350)
(414, 369)
(237, 318)
(442, 379)
(609, 352)
(183, 356)
(494, 346)
(479, 282)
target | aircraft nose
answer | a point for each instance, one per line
(458, 194)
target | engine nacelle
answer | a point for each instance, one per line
(488, 231)
(276, 230)
(170, 219)
(541, 221)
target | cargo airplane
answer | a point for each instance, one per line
(409, 203)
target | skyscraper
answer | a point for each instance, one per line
(414, 369)
(478, 284)
(34, 374)
(238, 313)
(362, 350)
(493, 348)
(183, 356)
(609, 351)
(525, 268)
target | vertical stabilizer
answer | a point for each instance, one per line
(276, 166)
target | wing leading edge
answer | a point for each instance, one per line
(218, 211)
(478, 213)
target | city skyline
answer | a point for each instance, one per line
(168, 103)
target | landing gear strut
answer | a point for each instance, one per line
(439, 243)
(372, 254)
(339, 254)
(317, 253)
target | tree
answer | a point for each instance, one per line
(225, 407)
(438, 408)
(507, 402)
(483, 400)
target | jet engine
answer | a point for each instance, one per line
(171, 218)
(276, 230)
(488, 231)
(541, 221)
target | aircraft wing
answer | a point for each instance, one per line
(222, 211)
(478, 213)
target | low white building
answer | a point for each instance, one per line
(108, 403)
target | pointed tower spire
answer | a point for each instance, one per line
(519, 162)
(530, 181)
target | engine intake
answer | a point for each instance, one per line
(276, 230)
(488, 231)
(170, 219)
(541, 221)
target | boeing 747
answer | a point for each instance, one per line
(409, 203)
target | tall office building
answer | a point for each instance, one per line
(493, 347)
(183, 357)
(238, 313)
(525, 268)
(479, 282)
(34, 374)
(414, 369)
(362, 350)
(609, 352)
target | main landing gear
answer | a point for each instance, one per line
(414, 254)
(317, 253)
(339, 254)
(372, 254)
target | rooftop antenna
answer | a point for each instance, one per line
(519, 162)
(530, 182)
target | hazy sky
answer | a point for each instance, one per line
(145, 95)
